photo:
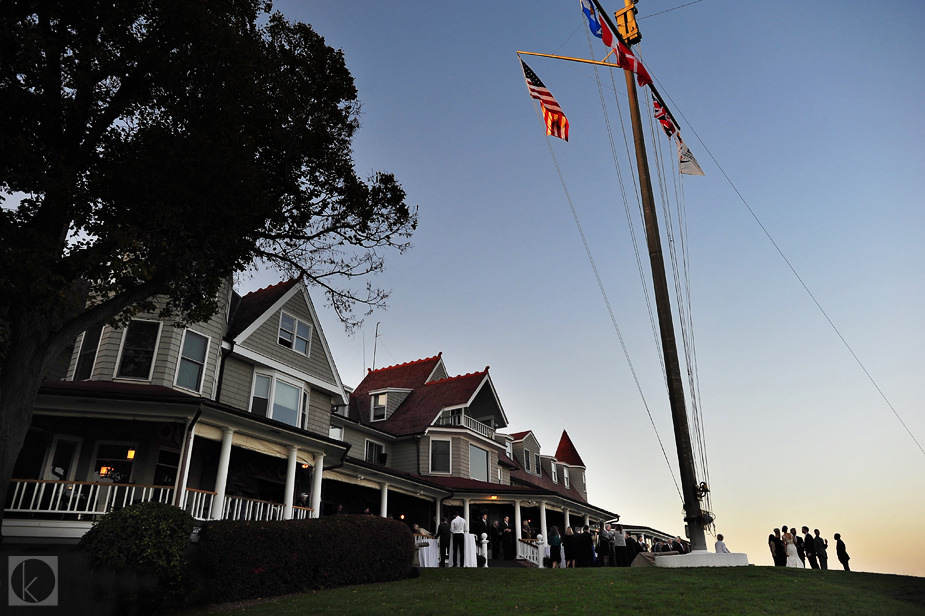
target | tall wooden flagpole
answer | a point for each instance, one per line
(682, 435)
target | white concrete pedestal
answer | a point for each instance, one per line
(702, 558)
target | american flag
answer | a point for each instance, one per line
(556, 122)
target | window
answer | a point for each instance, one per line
(114, 461)
(478, 463)
(294, 334)
(165, 473)
(536, 464)
(526, 460)
(336, 432)
(565, 476)
(379, 401)
(555, 473)
(278, 400)
(500, 476)
(509, 449)
(439, 456)
(192, 361)
(138, 347)
(87, 355)
(374, 452)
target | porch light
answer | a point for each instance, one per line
(305, 466)
(402, 516)
(493, 497)
(131, 454)
(105, 471)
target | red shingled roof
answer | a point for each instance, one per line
(545, 483)
(422, 406)
(247, 309)
(519, 435)
(567, 453)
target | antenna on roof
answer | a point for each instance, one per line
(375, 340)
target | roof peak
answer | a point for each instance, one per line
(458, 376)
(407, 363)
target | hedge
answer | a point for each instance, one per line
(246, 560)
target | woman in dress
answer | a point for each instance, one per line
(568, 542)
(790, 548)
(555, 547)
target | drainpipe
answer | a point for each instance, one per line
(179, 497)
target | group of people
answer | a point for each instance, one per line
(789, 549)
(610, 546)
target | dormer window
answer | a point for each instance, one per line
(526, 460)
(536, 464)
(565, 476)
(555, 473)
(294, 334)
(378, 404)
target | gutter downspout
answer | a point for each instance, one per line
(184, 459)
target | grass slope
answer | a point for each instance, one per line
(741, 590)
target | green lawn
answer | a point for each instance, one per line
(740, 590)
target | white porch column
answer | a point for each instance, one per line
(317, 473)
(466, 512)
(517, 523)
(438, 516)
(290, 483)
(567, 522)
(587, 520)
(384, 500)
(180, 500)
(221, 475)
(543, 522)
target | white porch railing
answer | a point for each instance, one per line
(199, 503)
(240, 508)
(80, 498)
(83, 499)
(464, 420)
(528, 549)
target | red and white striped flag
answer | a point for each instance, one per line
(625, 57)
(556, 122)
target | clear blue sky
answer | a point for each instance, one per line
(810, 108)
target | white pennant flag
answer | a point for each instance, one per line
(687, 164)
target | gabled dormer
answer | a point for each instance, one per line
(527, 452)
(383, 402)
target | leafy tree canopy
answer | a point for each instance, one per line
(162, 145)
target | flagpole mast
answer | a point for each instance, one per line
(689, 486)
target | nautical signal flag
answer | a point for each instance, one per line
(664, 118)
(556, 122)
(687, 164)
(588, 9)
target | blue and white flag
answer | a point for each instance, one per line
(591, 14)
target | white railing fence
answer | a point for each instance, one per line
(78, 498)
(528, 549)
(81, 500)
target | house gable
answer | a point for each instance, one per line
(256, 334)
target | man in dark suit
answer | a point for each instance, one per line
(841, 551)
(443, 537)
(478, 527)
(809, 546)
(507, 538)
(821, 545)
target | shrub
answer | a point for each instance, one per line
(242, 560)
(143, 543)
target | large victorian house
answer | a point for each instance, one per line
(245, 417)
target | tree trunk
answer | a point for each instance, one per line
(24, 367)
